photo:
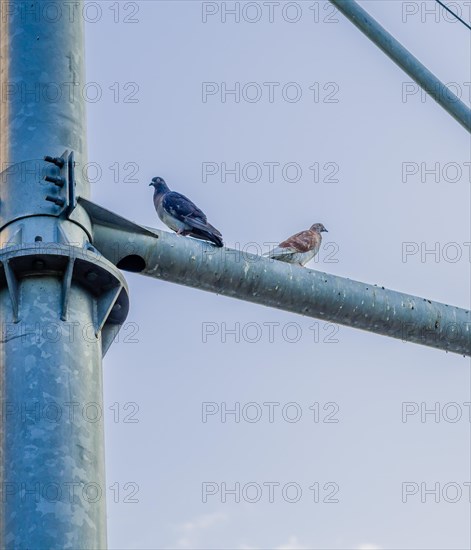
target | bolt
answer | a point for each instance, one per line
(58, 161)
(55, 200)
(56, 181)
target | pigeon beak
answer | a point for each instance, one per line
(151, 184)
(324, 230)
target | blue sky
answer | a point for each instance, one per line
(363, 152)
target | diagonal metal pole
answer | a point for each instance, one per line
(60, 304)
(404, 59)
(253, 278)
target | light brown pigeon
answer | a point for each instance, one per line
(299, 248)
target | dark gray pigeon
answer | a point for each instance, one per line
(181, 215)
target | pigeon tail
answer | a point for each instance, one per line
(202, 229)
(279, 252)
(206, 235)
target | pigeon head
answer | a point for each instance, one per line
(159, 184)
(319, 228)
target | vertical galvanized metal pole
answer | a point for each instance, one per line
(58, 301)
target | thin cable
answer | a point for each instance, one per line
(454, 14)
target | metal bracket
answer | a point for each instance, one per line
(76, 266)
(65, 182)
(72, 198)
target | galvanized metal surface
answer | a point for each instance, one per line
(402, 57)
(53, 477)
(101, 216)
(24, 191)
(53, 304)
(61, 306)
(275, 284)
(73, 266)
(43, 82)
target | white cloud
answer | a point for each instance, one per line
(292, 544)
(191, 531)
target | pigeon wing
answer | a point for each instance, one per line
(183, 209)
(301, 242)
